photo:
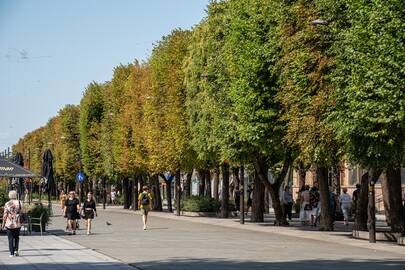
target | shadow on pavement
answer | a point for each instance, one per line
(292, 265)
(71, 266)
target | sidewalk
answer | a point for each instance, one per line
(54, 253)
(341, 235)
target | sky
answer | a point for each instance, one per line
(51, 50)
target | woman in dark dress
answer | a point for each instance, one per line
(89, 210)
(71, 211)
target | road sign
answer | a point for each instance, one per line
(80, 177)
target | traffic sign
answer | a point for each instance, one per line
(80, 177)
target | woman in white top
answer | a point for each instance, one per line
(345, 204)
(12, 222)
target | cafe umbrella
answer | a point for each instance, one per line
(48, 179)
(20, 183)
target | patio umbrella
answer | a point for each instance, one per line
(18, 183)
(47, 174)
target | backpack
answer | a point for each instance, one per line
(145, 199)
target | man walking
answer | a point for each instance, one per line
(145, 204)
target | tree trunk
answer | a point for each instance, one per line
(360, 220)
(178, 192)
(326, 213)
(201, 190)
(187, 185)
(216, 182)
(371, 221)
(258, 200)
(262, 172)
(225, 190)
(394, 210)
(301, 175)
(135, 192)
(208, 183)
(266, 201)
(336, 178)
(242, 195)
(169, 195)
(157, 199)
(125, 192)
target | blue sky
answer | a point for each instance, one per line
(50, 50)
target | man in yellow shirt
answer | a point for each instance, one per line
(145, 204)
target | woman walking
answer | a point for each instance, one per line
(12, 222)
(89, 210)
(71, 211)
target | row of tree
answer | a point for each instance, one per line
(267, 84)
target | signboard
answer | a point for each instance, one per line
(80, 177)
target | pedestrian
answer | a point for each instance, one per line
(12, 222)
(305, 205)
(71, 211)
(113, 197)
(145, 204)
(237, 194)
(345, 203)
(314, 202)
(250, 199)
(355, 197)
(62, 198)
(287, 202)
(89, 210)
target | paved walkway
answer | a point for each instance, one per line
(342, 233)
(55, 253)
(173, 243)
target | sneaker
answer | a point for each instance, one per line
(16, 254)
(11, 255)
(144, 227)
(74, 232)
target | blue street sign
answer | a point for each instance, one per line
(80, 177)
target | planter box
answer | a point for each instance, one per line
(198, 214)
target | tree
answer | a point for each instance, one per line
(70, 142)
(369, 99)
(90, 126)
(251, 55)
(305, 91)
(166, 129)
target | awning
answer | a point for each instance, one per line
(10, 169)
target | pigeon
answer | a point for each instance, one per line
(108, 223)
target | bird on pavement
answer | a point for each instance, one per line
(108, 223)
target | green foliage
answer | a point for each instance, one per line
(166, 133)
(305, 88)
(200, 204)
(3, 199)
(206, 80)
(91, 115)
(70, 152)
(369, 114)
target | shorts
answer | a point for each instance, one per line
(345, 211)
(72, 215)
(145, 211)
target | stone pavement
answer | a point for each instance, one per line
(173, 243)
(54, 253)
(341, 234)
